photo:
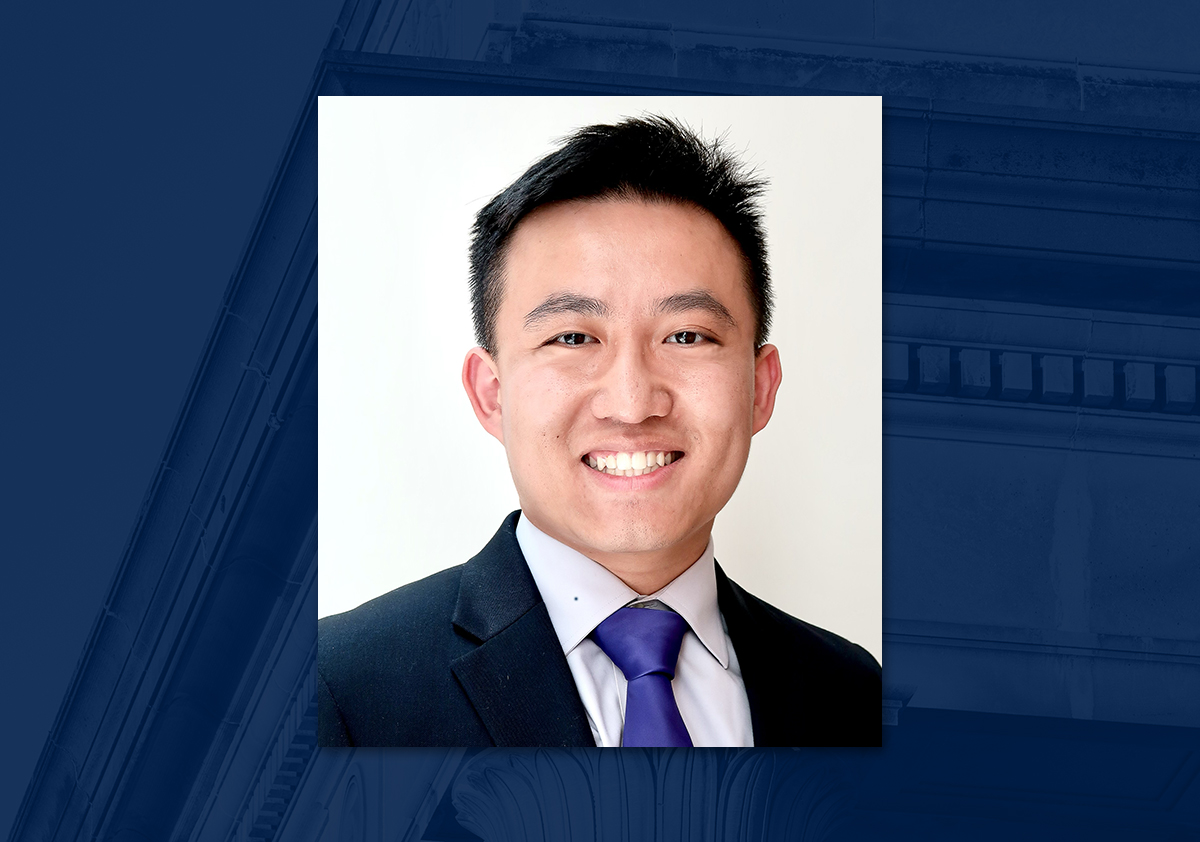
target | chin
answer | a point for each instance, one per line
(638, 537)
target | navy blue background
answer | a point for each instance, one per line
(138, 149)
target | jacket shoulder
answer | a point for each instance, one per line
(807, 685)
(382, 666)
(829, 650)
(405, 611)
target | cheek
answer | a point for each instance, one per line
(720, 402)
(538, 411)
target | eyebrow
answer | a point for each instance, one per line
(566, 302)
(585, 305)
(696, 299)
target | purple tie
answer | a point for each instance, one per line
(644, 643)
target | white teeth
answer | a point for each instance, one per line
(631, 464)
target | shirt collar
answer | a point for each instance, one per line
(579, 593)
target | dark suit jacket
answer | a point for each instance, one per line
(468, 657)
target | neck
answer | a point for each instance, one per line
(646, 571)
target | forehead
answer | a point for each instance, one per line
(628, 252)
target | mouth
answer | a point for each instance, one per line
(630, 463)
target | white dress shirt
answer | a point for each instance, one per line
(579, 594)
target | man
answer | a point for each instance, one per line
(621, 303)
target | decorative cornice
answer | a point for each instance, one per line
(1036, 425)
(1043, 642)
(789, 48)
(1089, 370)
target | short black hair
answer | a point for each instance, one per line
(652, 158)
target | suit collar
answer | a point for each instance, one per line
(496, 588)
(580, 594)
(517, 677)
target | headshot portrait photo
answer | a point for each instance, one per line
(600, 456)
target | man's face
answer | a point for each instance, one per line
(625, 332)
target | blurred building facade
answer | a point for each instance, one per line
(1042, 510)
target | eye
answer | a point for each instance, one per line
(572, 339)
(687, 337)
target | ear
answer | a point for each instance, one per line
(481, 379)
(768, 374)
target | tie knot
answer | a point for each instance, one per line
(641, 641)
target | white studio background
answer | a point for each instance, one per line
(410, 484)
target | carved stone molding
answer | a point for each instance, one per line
(283, 769)
(353, 818)
(585, 794)
(1047, 356)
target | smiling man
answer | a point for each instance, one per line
(621, 303)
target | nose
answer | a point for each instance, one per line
(630, 388)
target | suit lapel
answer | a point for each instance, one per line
(516, 677)
(775, 711)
